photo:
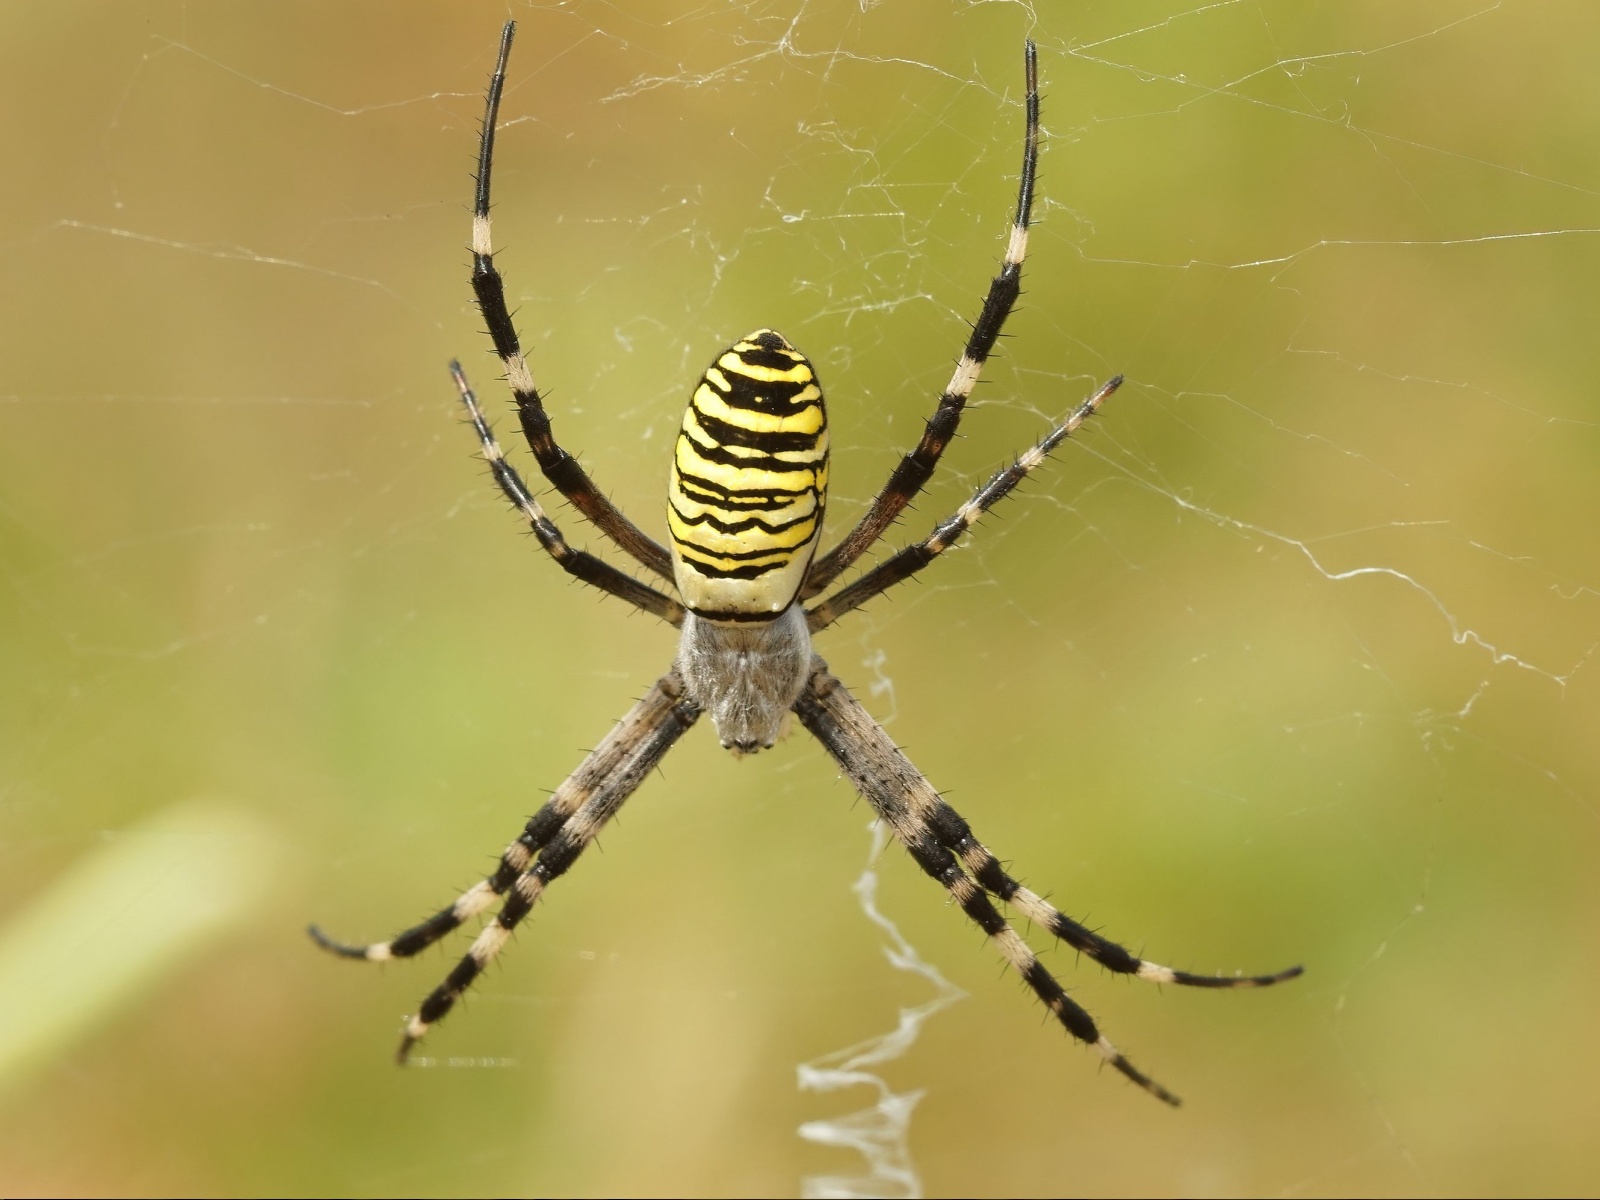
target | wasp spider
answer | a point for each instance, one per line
(745, 503)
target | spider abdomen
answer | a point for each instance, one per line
(749, 481)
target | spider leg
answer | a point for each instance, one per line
(907, 562)
(956, 835)
(918, 466)
(559, 467)
(901, 796)
(578, 563)
(557, 833)
(647, 745)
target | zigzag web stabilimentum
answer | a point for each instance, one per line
(880, 1131)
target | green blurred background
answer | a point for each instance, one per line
(1286, 659)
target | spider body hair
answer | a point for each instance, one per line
(746, 675)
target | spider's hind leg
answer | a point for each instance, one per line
(610, 774)
(549, 844)
(955, 835)
(901, 797)
(513, 862)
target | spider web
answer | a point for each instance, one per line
(1286, 658)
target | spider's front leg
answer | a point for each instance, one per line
(580, 564)
(918, 465)
(905, 563)
(559, 467)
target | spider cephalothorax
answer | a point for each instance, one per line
(745, 506)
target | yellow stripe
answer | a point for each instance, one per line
(808, 420)
(799, 373)
(712, 542)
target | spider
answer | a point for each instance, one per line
(745, 505)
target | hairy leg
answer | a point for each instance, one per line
(559, 467)
(547, 846)
(900, 796)
(918, 466)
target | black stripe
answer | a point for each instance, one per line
(443, 997)
(753, 397)
(714, 572)
(760, 462)
(491, 293)
(758, 497)
(1108, 954)
(1078, 1023)
(782, 554)
(771, 359)
(513, 910)
(747, 523)
(770, 503)
(938, 862)
(993, 879)
(556, 857)
(1003, 293)
(734, 378)
(736, 617)
(728, 434)
(541, 827)
(420, 937)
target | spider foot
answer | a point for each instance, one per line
(377, 952)
(1114, 1056)
(415, 1028)
(1160, 974)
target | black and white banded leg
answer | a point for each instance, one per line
(578, 563)
(559, 467)
(956, 836)
(918, 466)
(907, 562)
(546, 848)
(901, 797)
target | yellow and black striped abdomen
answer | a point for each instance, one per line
(749, 481)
